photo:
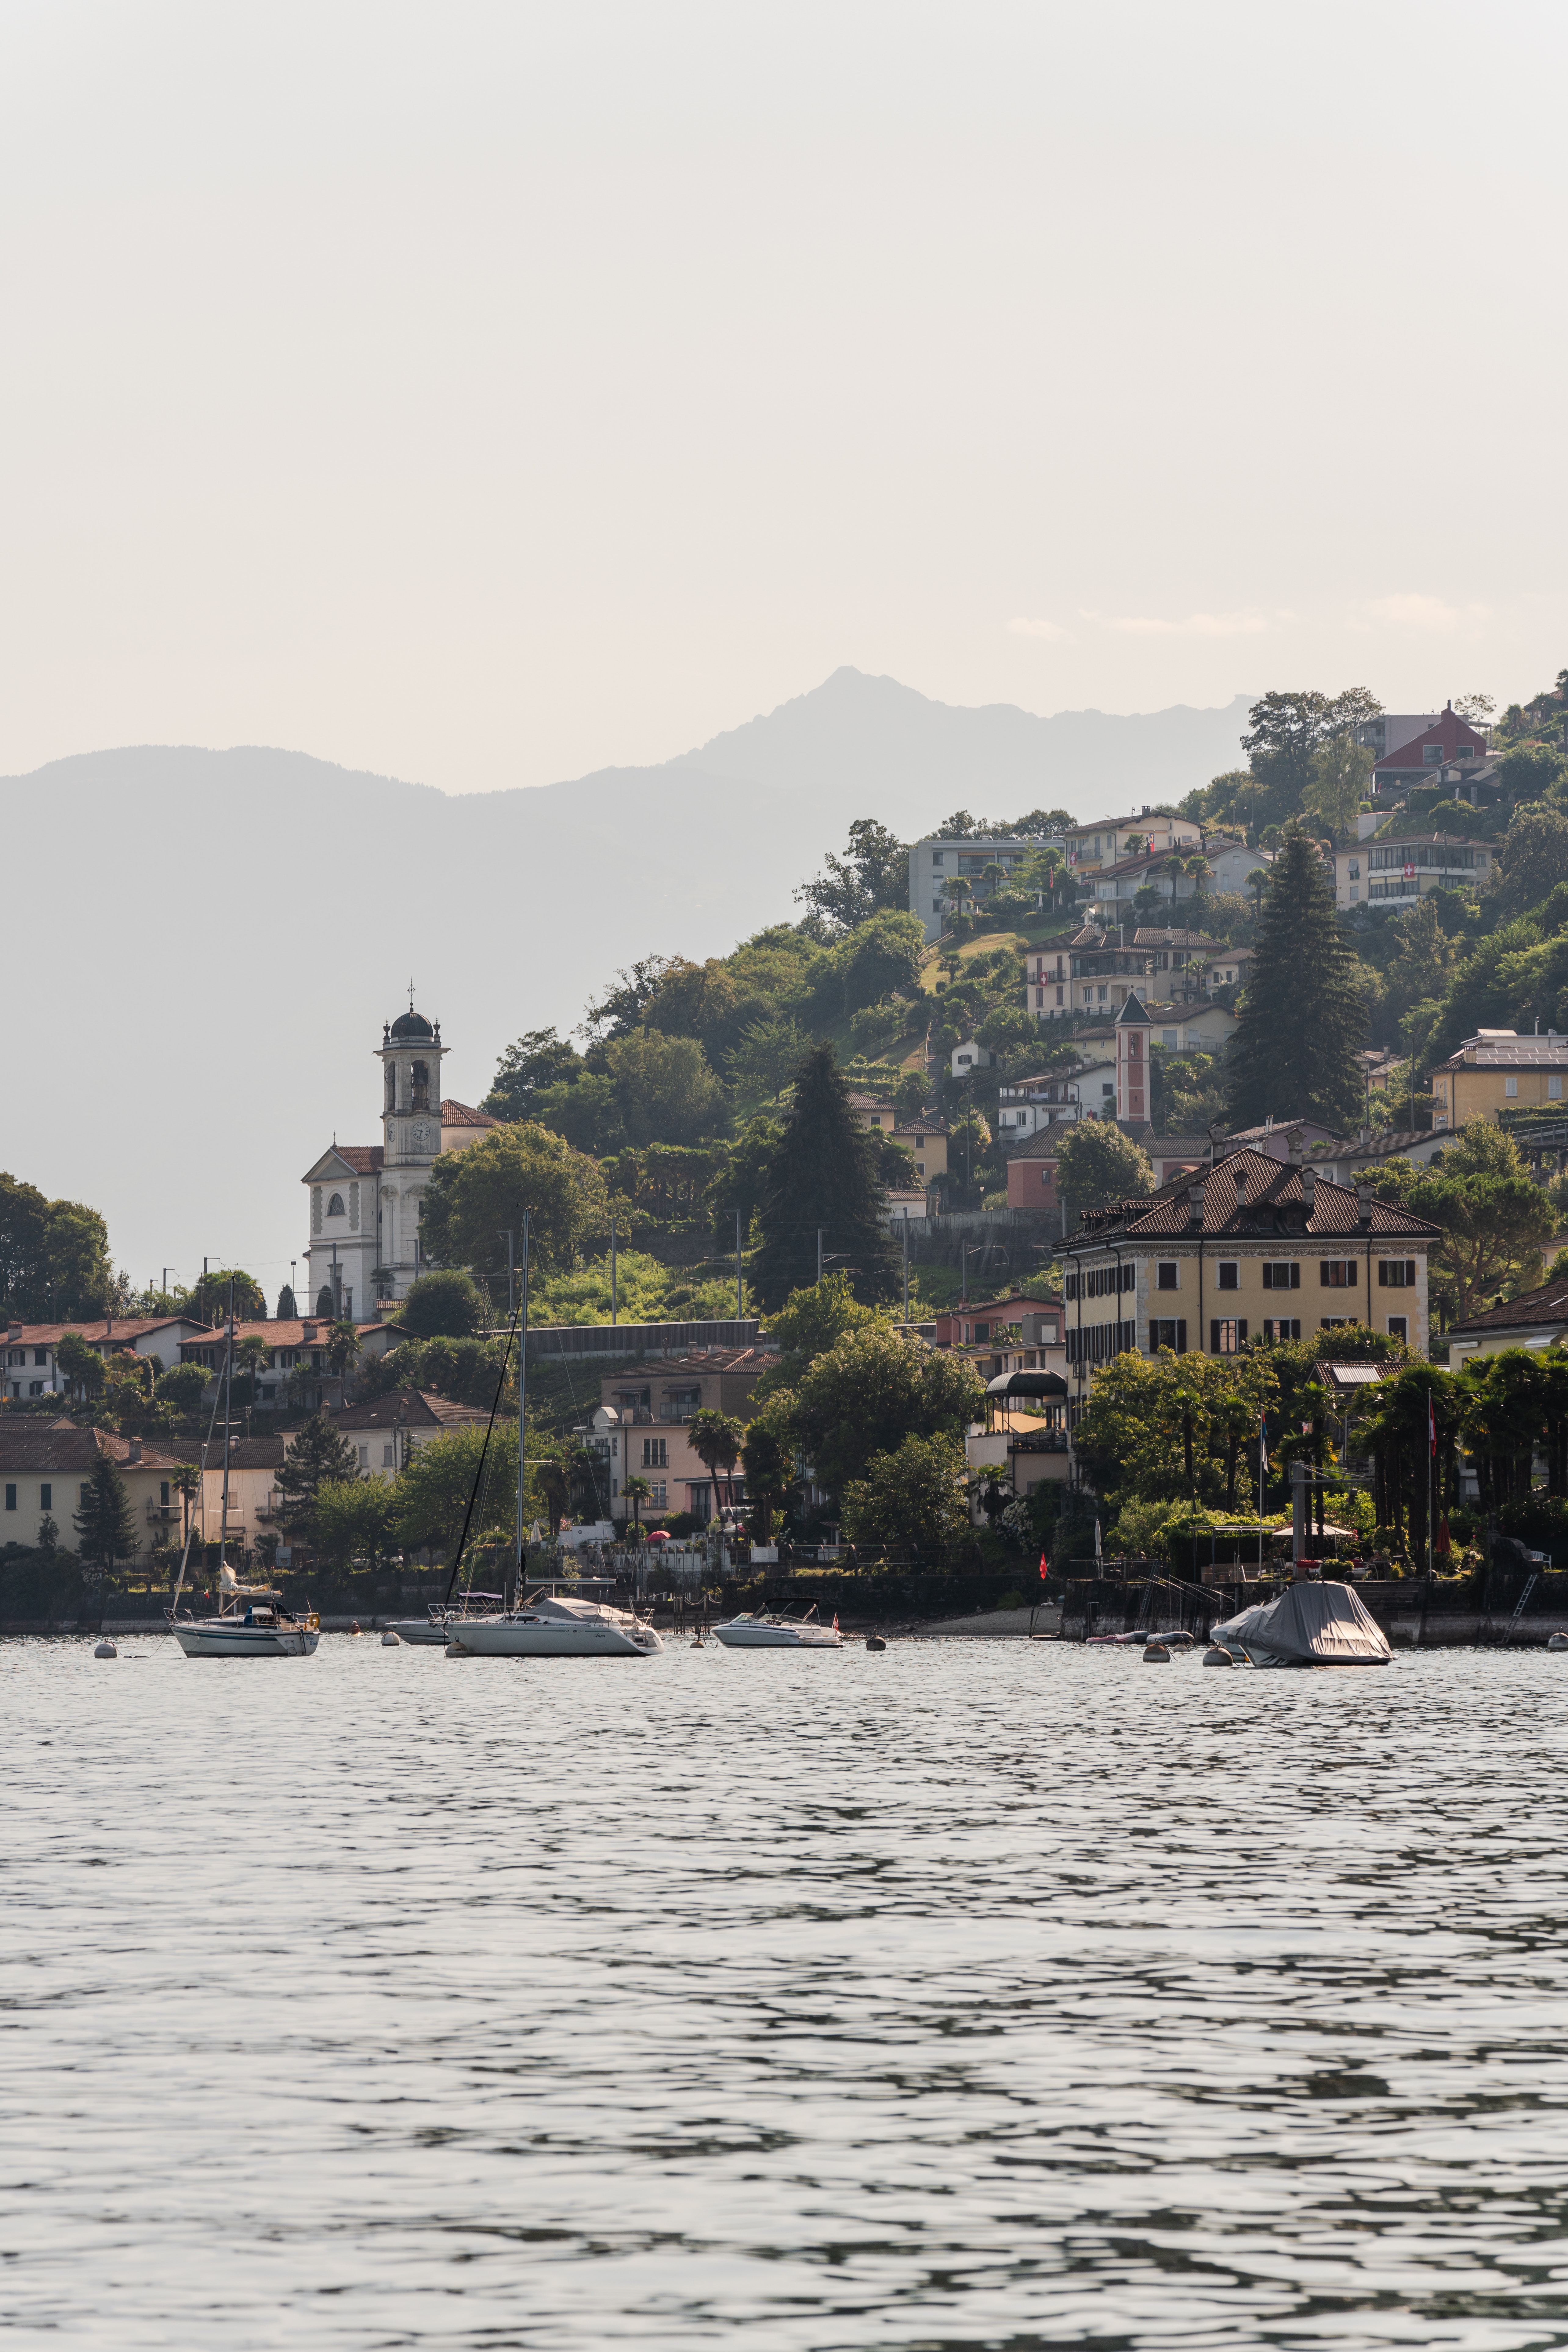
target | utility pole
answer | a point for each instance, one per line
(739, 1299)
(615, 1301)
(906, 1270)
(509, 1275)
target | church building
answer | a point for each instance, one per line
(367, 1198)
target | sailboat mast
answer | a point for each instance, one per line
(227, 1395)
(522, 1417)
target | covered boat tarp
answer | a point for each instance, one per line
(1309, 1624)
(1026, 1384)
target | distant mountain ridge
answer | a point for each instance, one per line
(205, 944)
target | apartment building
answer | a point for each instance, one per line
(942, 858)
(1251, 1248)
(1396, 870)
(1498, 1070)
(1107, 841)
(642, 1427)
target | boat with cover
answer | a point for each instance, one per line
(542, 1625)
(429, 1631)
(264, 1628)
(766, 1629)
(1309, 1624)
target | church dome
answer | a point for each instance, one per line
(410, 1027)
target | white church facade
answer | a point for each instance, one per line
(366, 1199)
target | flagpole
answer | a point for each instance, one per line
(1262, 1467)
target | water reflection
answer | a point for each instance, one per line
(1003, 1995)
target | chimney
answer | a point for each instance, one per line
(1364, 1201)
(1241, 1184)
(1269, 1122)
(135, 1453)
(1297, 1143)
(13, 1330)
(1309, 1191)
(1196, 1209)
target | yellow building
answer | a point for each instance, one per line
(1252, 1248)
(1498, 1070)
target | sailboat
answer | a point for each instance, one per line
(264, 1628)
(542, 1623)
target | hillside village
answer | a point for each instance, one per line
(949, 1224)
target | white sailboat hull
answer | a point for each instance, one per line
(210, 1637)
(524, 1636)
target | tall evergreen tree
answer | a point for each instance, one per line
(823, 1174)
(106, 1524)
(318, 1456)
(1302, 1019)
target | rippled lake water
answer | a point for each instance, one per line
(974, 1994)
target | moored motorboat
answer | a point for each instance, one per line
(1309, 1624)
(266, 1630)
(763, 1629)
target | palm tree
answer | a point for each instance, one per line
(1175, 867)
(186, 1482)
(253, 1356)
(956, 889)
(1256, 882)
(636, 1492)
(716, 1439)
(1200, 869)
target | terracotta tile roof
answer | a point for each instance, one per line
(409, 1409)
(31, 1444)
(120, 1330)
(1269, 1202)
(920, 1127)
(365, 1159)
(1547, 1305)
(300, 1331)
(1548, 1053)
(456, 1114)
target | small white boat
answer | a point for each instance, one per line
(548, 1626)
(769, 1629)
(429, 1631)
(266, 1630)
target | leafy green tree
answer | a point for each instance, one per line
(1097, 1165)
(1174, 1428)
(812, 1320)
(700, 1001)
(288, 1312)
(625, 1005)
(767, 1453)
(53, 1258)
(665, 1090)
(82, 1365)
(446, 1304)
(355, 1517)
(209, 1296)
(767, 1054)
(1303, 1019)
(881, 954)
(342, 1347)
(873, 873)
(532, 1062)
(716, 1439)
(911, 1497)
(822, 1176)
(871, 1391)
(476, 1197)
(1286, 731)
(1495, 1220)
(1532, 770)
(1338, 776)
(1532, 859)
(317, 1456)
(434, 1483)
(106, 1525)
(183, 1386)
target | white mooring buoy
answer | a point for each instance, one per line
(106, 1650)
(391, 1640)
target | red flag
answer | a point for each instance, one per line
(1045, 1566)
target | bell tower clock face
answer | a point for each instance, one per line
(420, 1135)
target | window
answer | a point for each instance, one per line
(1168, 1276)
(365, 1457)
(1101, 994)
(1228, 1335)
(35, 1388)
(939, 857)
(335, 1206)
(40, 1355)
(1280, 1274)
(1229, 1274)
(1353, 870)
(1167, 1335)
(163, 1494)
(655, 1453)
(1397, 1273)
(1511, 1088)
(982, 1331)
(1337, 1273)
(660, 1493)
(1553, 1089)
(1431, 755)
(1061, 997)
(47, 1497)
(1398, 1328)
(388, 1456)
(1282, 1327)
(10, 1499)
(1336, 1322)
(1171, 1038)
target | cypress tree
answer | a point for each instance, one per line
(106, 1525)
(823, 1173)
(1303, 1019)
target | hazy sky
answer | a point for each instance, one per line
(483, 393)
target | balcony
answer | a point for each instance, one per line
(1039, 1441)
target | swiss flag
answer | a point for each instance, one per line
(1045, 1565)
